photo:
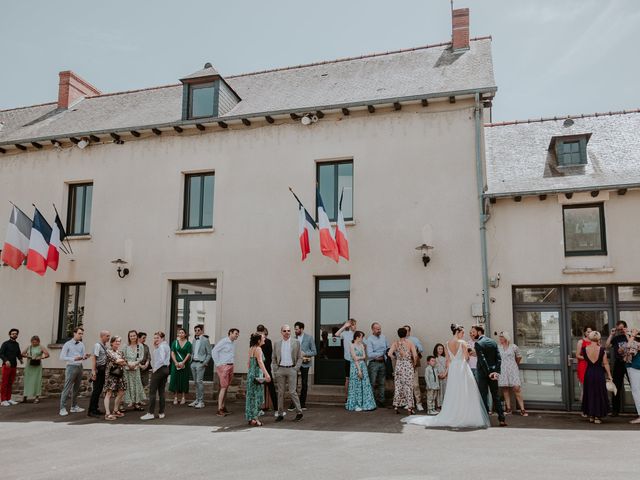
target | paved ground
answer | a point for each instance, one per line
(329, 443)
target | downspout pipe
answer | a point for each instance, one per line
(483, 216)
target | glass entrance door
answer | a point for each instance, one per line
(578, 319)
(195, 304)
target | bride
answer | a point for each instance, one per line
(462, 405)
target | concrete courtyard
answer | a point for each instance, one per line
(328, 443)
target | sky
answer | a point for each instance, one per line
(551, 57)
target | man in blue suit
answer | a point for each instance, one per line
(308, 347)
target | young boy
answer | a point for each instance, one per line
(433, 384)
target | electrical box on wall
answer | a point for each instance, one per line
(476, 310)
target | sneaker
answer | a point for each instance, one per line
(13, 402)
(635, 420)
(298, 417)
(76, 409)
(283, 414)
(291, 408)
(420, 408)
(432, 412)
(161, 416)
(63, 412)
(194, 403)
(199, 405)
(358, 409)
(147, 416)
(5, 404)
(304, 409)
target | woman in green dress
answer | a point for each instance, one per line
(256, 376)
(34, 354)
(180, 360)
(133, 354)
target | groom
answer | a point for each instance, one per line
(488, 369)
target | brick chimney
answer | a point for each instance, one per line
(460, 29)
(72, 87)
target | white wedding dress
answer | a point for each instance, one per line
(462, 406)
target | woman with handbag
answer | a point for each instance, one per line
(181, 350)
(34, 354)
(257, 376)
(595, 400)
(114, 381)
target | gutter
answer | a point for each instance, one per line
(483, 217)
(229, 118)
(556, 191)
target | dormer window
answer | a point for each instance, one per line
(570, 151)
(206, 94)
(202, 100)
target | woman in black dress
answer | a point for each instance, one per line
(595, 400)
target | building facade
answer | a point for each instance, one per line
(561, 234)
(187, 187)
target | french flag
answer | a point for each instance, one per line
(328, 245)
(16, 245)
(57, 236)
(341, 233)
(305, 225)
(39, 244)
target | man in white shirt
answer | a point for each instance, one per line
(224, 354)
(160, 372)
(73, 353)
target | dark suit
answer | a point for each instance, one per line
(489, 361)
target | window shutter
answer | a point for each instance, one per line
(583, 151)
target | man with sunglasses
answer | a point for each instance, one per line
(287, 359)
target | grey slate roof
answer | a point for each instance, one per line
(519, 161)
(422, 72)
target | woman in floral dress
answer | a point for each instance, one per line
(180, 361)
(114, 380)
(406, 356)
(257, 375)
(133, 354)
(360, 395)
(509, 378)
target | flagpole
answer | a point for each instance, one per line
(65, 237)
(295, 196)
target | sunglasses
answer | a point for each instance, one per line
(285, 331)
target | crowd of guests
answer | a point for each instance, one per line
(123, 373)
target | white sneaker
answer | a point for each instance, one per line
(63, 412)
(275, 414)
(5, 404)
(147, 416)
(76, 409)
(199, 405)
(420, 408)
(12, 402)
(194, 403)
(161, 416)
(358, 409)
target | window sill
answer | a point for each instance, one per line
(349, 223)
(195, 231)
(579, 270)
(79, 237)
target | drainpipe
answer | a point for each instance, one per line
(484, 218)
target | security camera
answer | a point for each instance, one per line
(306, 120)
(314, 118)
(83, 144)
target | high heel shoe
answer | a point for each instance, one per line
(175, 401)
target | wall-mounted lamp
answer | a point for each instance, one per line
(122, 272)
(494, 282)
(424, 249)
